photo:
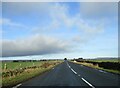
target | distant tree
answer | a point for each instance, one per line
(15, 61)
(65, 58)
(80, 58)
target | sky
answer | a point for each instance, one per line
(59, 29)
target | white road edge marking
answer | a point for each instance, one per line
(52, 68)
(102, 71)
(88, 83)
(17, 86)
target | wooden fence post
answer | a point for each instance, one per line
(5, 66)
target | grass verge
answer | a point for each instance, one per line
(97, 67)
(27, 74)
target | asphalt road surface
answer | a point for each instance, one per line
(71, 74)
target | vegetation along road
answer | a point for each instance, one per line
(71, 74)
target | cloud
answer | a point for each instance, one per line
(57, 13)
(60, 1)
(9, 22)
(26, 9)
(87, 9)
(58, 18)
(99, 9)
(34, 45)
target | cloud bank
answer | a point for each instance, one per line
(34, 45)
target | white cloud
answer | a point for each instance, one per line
(34, 45)
(24, 9)
(60, 0)
(60, 20)
(9, 22)
(58, 14)
(99, 9)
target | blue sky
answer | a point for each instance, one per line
(58, 30)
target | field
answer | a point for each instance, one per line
(16, 72)
(104, 60)
(110, 65)
(17, 65)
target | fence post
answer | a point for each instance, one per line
(5, 66)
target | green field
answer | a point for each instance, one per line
(17, 72)
(104, 60)
(17, 65)
(110, 68)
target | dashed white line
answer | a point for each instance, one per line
(67, 64)
(17, 86)
(78, 75)
(71, 69)
(88, 83)
(74, 71)
(81, 78)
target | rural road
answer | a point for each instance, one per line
(70, 74)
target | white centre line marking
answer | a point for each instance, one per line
(81, 78)
(71, 68)
(78, 75)
(88, 83)
(17, 86)
(73, 71)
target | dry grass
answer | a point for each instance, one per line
(97, 67)
(27, 74)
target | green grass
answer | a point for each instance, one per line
(28, 73)
(104, 60)
(110, 70)
(10, 81)
(16, 65)
(97, 67)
